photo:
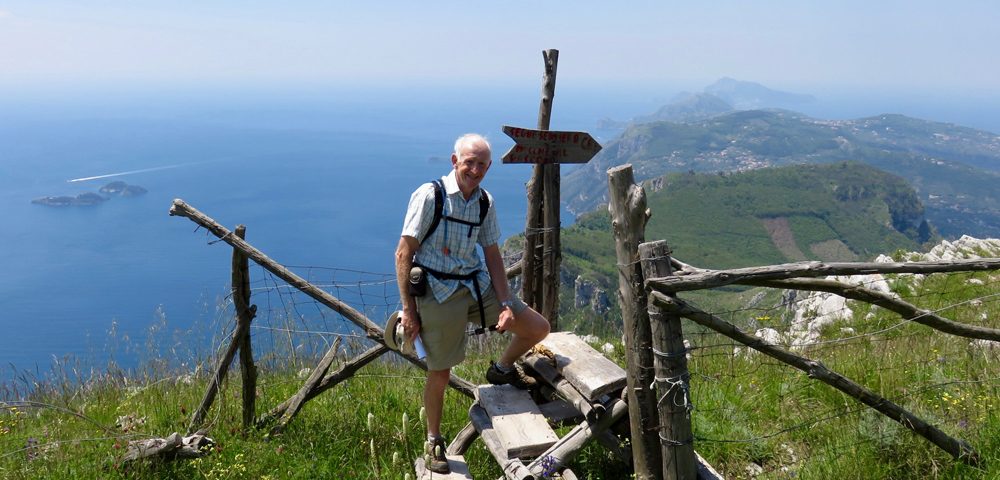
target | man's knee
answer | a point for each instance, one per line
(543, 329)
(438, 377)
(538, 326)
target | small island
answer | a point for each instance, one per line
(123, 189)
(89, 199)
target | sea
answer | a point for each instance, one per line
(319, 176)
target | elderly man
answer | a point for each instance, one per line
(444, 221)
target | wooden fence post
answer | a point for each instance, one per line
(672, 377)
(222, 369)
(628, 222)
(244, 315)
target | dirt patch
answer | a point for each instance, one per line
(833, 251)
(783, 238)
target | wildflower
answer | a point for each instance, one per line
(548, 466)
(371, 447)
(371, 421)
(395, 458)
(31, 448)
(406, 420)
(407, 477)
(422, 414)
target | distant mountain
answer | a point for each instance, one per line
(688, 107)
(744, 95)
(845, 211)
(724, 96)
(955, 170)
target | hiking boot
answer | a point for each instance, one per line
(434, 458)
(515, 376)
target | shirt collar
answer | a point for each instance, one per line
(450, 183)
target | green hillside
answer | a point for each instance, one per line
(843, 211)
(954, 170)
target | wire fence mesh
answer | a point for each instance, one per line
(771, 418)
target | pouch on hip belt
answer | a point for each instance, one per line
(418, 282)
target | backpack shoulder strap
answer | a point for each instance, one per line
(484, 205)
(438, 209)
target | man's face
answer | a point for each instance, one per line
(470, 166)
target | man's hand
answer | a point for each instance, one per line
(411, 324)
(506, 320)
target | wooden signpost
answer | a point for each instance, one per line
(549, 146)
(545, 149)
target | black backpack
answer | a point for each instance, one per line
(484, 207)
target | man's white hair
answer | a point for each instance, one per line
(470, 139)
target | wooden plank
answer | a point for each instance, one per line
(558, 412)
(513, 469)
(589, 371)
(520, 426)
(459, 470)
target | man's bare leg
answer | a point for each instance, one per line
(529, 328)
(437, 381)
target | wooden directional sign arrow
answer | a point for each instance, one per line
(549, 146)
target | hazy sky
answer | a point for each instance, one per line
(792, 45)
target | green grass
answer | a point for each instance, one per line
(754, 409)
(330, 438)
(747, 409)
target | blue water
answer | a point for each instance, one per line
(320, 178)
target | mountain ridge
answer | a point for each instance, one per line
(955, 169)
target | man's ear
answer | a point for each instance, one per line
(454, 160)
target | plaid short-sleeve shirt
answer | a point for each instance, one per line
(460, 256)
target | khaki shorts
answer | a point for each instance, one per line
(444, 326)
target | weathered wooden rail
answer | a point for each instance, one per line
(244, 312)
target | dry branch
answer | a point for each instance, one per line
(888, 302)
(295, 403)
(957, 448)
(717, 278)
(242, 330)
(343, 373)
